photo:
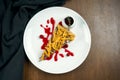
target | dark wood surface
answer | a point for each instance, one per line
(103, 61)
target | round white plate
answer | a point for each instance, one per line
(80, 46)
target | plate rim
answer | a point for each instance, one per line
(26, 52)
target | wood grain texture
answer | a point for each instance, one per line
(103, 61)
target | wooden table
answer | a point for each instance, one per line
(103, 61)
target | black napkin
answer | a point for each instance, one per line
(14, 15)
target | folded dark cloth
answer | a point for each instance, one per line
(14, 15)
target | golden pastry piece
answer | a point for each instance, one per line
(61, 35)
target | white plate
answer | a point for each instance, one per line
(80, 46)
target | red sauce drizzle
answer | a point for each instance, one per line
(48, 32)
(69, 53)
(61, 23)
(61, 55)
(44, 40)
(48, 21)
(53, 23)
(65, 46)
(49, 58)
(56, 56)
